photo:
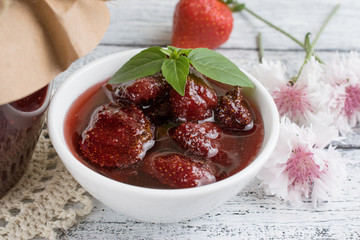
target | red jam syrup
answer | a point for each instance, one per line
(241, 147)
(21, 122)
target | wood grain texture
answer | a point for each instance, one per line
(151, 23)
(251, 214)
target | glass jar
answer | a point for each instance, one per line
(21, 123)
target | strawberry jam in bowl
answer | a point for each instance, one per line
(163, 134)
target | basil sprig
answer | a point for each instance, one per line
(175, 63)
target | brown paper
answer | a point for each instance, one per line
(40, 38)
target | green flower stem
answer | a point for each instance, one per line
(310, 47)
(260, 47)
(294, 79)
(332, 13)
(275, 27)
(309, 52)
(318, 59)
(280, 30)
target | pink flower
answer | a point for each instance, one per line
(303, 101)
(301, 167)
(343, 75)
(292, 101)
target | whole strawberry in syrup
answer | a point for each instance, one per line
(197, 103)
(201, 23)
(178, 171)
(233, 112)
(117, 136)
(200, 140)
(142, 91)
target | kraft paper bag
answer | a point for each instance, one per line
(40, 39)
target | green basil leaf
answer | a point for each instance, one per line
(214, 65)
(180, 51)
(175, 72)
(145, 63)
(167, 52)
(173, 49)
(185, 52)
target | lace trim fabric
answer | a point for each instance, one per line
(46, 199)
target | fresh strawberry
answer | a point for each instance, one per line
(179, 171)
(201, 140)
(141, 91)
(117, 136)
(196, 104)
(232, 112)
(201, 23)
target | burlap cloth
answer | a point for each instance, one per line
(46, 199)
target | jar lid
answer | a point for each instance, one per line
(40, 39)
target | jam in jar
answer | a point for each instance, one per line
(21, 123)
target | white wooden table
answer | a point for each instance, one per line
(251, 214)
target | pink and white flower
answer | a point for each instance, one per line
(343, 75)
(301, 167)
(303, 101)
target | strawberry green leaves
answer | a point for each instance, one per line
(175, 64)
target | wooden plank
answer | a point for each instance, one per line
(298, 17)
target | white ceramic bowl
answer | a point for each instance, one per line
(153, 205)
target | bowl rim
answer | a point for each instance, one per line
(56, 131)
